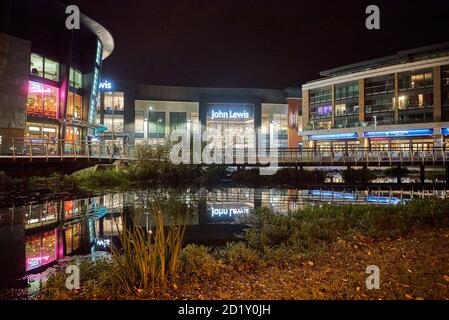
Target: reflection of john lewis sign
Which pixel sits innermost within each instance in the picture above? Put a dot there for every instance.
(228, 212)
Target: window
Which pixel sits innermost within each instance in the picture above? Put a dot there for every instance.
(114, 101)
(114, 123)
(44, 67)
(37, 65)
(379, 85)
(320, 95)
(74, 106)
(415, 79)
(156, 122)
(347, 91)
(51, 70)
(178, 120)
(445, 75)
(139, 124)
(415, 101)
(42, 100)
(76, 79)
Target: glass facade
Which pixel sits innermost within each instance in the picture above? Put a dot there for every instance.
(321, 108)
(445, 92)
(347, 105)
(379, 100)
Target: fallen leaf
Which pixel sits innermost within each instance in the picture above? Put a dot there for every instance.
(446, 278)
(409, 297)
(310, 263)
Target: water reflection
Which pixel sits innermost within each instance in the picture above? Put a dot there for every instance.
(36, 236)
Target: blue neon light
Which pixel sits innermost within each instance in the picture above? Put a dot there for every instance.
(398, 133)
(333, 195)
(334, 136)
(445, 131)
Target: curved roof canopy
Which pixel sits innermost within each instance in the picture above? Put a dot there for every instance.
(102, 33)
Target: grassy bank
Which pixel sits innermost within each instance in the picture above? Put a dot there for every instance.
(312, 253)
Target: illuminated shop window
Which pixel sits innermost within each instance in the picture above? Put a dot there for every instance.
(76, 79)
(74, 106)
(42, 100)
(114, 122)
(114, 101)
(40, 250)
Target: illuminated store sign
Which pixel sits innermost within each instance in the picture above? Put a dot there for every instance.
(333, 195)
(334, 136)
(35, 87)
(398, 133)
(223, 111)
(105, 85)
(445, 131)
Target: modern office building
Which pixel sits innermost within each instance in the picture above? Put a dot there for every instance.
(49, 75)
(399, 101)
(139, 113)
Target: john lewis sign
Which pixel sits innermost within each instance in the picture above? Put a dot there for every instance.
(224, 111)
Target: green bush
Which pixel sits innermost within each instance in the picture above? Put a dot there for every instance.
(109, 178)
(240, 256)
(197, 263)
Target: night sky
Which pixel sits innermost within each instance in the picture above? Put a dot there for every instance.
(256, 43)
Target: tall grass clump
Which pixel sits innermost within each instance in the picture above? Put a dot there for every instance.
(148, 260)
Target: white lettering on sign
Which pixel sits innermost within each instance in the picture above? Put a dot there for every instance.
(228, 212)
(105, 85)
(229, 114)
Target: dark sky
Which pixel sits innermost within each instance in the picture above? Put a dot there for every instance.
(256, 43)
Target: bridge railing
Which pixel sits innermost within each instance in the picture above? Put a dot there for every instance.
(54, 148)
(57, 148)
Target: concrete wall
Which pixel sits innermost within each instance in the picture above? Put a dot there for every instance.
(14, 73)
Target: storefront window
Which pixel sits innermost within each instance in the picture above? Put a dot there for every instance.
(139, 124)
(114, 123)
(114, 101)
(178, 121)
(156, 122)
(42, 100)
(74, 106)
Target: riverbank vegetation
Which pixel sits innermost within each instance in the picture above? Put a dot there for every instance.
(311, 253)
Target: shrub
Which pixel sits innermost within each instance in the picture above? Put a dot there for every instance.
(241, 257)
(109, 178)
(311, 227)
(197, 263)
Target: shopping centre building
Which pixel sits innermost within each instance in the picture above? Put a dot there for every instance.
(142, 113)
(399, 101)
(49, 75)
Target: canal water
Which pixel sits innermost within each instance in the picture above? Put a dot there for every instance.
(35, 237)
